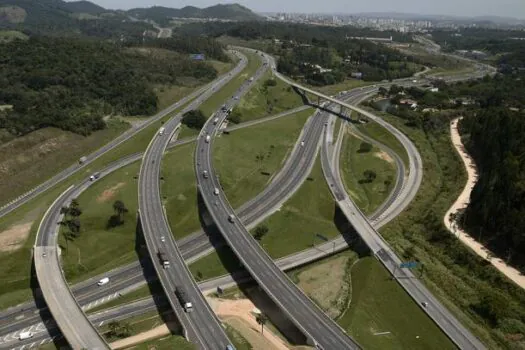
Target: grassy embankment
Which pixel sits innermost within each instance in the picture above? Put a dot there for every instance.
(454, 274)
(15, 276)
(367, 195)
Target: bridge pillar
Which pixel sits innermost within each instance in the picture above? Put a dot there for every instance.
(341, 109)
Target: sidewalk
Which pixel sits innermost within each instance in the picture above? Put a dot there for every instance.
(462, 202)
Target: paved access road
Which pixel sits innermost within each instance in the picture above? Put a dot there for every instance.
(67, 313)
(201, 326)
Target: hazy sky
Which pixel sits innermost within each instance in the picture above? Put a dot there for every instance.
(510, 8)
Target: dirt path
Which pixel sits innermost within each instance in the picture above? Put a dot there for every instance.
(463, 200)
(14, 237)
(239, 313)
(141, 337)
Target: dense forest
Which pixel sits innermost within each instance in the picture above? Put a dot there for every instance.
(375, 62)
(301, 33)
(72, 83)
(496, 213)
(490, 40)
(186, 44)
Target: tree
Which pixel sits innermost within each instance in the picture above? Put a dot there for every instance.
(364, 147)
(120, 209)
(194, 119)
(369, 175)
(388, 182)
(118, 329)
(260, 231)
(262, 319)
(382, 91)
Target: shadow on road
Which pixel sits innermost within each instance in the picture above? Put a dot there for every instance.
(155, 288)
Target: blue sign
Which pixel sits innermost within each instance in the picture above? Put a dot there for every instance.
(320, 236)
(409, 264)
(198, 57)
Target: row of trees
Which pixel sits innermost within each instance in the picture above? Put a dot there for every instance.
(375, 62)
(72, 83)
(301, 33)
(496, 140)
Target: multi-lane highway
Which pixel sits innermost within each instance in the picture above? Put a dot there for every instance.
(312, 321)
(196, 245)
(64, 174)
(72, 321)
(190, 240)
(200, 324)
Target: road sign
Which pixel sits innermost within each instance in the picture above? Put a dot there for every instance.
(408, 264)
(320, 236)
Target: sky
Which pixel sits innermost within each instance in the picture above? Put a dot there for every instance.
(505, 8)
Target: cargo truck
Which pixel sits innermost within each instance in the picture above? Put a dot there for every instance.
(82, 160)
(183, 299)
(163, 258)
(94, 176)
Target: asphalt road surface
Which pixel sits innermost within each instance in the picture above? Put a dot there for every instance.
(67, 313)
(64, 174)
(312, 321)
(201, 326)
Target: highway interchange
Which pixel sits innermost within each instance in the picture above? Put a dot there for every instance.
(255, 208)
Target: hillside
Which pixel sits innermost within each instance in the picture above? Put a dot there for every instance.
(162, 15)
(57, 17)
(84, 7)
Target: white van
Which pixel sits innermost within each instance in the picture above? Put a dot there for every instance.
(25, 335)
(103, 281)
(208, 138)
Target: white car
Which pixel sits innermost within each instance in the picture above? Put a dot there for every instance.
(103, 281)
(163, 239)
(25, 335)
(302, 143)
(216, 191)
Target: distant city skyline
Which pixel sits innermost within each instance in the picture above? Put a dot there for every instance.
(462, 8)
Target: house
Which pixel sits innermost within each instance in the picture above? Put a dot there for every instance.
(357, 75)
(408, 102)
(434, 89)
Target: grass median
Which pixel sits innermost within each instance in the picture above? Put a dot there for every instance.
(269, 96)
(356, 160)
(247, 159)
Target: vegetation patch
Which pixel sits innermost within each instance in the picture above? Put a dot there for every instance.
(368, 173)
(381, 315)
(326, 284)
(246, 159)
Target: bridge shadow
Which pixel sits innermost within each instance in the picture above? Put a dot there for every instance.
(350, 235)
(43, 311)
(157, 292)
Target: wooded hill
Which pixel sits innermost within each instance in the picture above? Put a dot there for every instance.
(72, 83)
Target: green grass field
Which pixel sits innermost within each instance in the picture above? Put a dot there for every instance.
(99, 248)
(10, 35)
(166, 343)
(379, 304)
(377, 132)
(311, 210)
(264, 100)
(242, 156)
(179, 191)
(27, 158)
(368, 196)
(15, 275)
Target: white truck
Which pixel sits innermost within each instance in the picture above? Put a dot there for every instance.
(82, 160)
(161, 131)
(183, 299)
(25, 335)
(103, 281)
(164, 259)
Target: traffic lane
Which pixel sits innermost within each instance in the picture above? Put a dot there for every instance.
(91, 157)
(256, 262)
